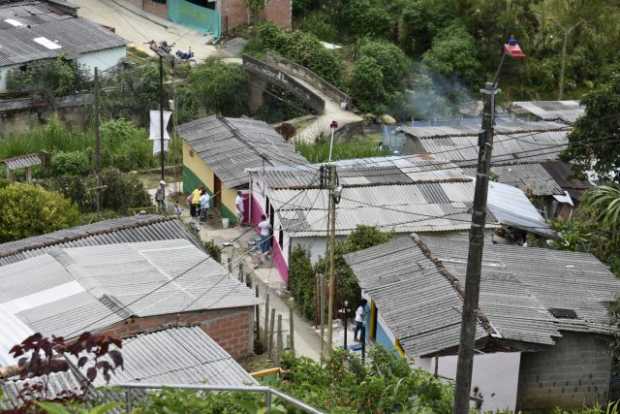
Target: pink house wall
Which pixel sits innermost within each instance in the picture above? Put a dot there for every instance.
(279, 262)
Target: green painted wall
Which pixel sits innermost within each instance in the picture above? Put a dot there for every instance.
(191, 182)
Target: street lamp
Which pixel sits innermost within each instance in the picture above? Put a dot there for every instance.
(333, 126)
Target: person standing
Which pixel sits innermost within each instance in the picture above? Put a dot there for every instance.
(360, 320)
(205, 199)
(195, 202)
(160, 197)
(264, 230)
(239, 207)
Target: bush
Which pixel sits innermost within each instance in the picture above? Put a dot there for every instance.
(48, 79)
(367, 84)
(300, 47)
(126, 147)
(357, 148)
(220, 87)
(28, 210)
(319, 24)
(70, 163)
(214, 250)
(121, 192)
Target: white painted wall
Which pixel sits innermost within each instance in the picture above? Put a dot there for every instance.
(496, 375)
(103, 59)
(3, 74)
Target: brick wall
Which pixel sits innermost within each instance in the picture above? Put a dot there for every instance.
(279, 12)
(235, 13)
(232, 329)
(158, 9)
(574, 373)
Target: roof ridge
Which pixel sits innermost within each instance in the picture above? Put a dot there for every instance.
(49, 243)
(166, 327)
(241, 137)
(453, 280)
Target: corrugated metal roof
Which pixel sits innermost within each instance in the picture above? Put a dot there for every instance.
(59, 384)
(74, 35)
(175, 355)
(519, 285)
(229, 146)
(139, 228)
(531, 178)
(563, 174)
(361, 171)
(564, 111)
(67, 290)
(23, 161)
(179, 355)
(533, 141)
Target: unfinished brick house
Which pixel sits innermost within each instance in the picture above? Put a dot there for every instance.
(123, 277)
(216, 17)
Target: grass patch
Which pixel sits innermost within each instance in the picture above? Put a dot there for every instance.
(344, 149)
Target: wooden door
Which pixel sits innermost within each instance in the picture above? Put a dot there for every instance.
(217, 190)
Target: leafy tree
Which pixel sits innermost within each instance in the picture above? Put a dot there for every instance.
(319, 23)
(420, 22)
(367, 83)
(365, 18)
(255, 7)
(220, 87)
(453, 55)
(606, 200)
(594, 141)
(29, 210)
(393, 62)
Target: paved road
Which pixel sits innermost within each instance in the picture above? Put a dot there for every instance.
(131, 24)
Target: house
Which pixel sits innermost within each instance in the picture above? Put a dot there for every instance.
(216, 17)
(402, 194)
(566, 112)
(39, 30)
(171, 355)
(520, 150)
(543, 334)
(138, 228)
(123, 289)
(217, 151)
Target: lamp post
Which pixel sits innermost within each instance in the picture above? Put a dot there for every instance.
(470, 312)
(333, 126)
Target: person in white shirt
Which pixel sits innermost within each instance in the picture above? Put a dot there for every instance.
(264, 230)
(239, 207)
(360, 320)
(204, 205)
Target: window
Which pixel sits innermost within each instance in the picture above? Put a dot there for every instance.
(281, 238)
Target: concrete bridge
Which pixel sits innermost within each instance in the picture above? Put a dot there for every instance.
(324, 99)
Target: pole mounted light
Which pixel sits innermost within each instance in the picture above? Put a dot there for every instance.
(469, 321)
(333, 127)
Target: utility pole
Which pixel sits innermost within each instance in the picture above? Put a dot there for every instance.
(465, 363)
(97, 143)
(161, 114)
(331, 231)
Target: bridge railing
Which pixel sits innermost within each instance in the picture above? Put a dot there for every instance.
(302, 72)
(277, 76)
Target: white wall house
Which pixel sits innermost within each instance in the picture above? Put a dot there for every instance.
(36, 31)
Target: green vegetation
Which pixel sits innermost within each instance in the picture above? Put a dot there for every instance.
(29, 210)
(356, 147)
(302, 274)
(47, 80)
(72, 152)
(594, 142)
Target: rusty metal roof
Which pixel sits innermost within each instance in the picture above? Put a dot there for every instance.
(23, 161)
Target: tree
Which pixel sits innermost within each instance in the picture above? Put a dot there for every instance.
(255, 7)
(420, 21)
(220, 87)
(454, 55)
(367, 83)
(606, 200)
(393, 62)
(594, 143)
(29, 210)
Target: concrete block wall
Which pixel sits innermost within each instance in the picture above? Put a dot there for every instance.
(235, 13)
(158, 9)
(574, 373)
(232, 328)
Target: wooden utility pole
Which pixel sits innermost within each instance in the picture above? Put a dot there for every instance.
(474, 260)
(97, 143)
(321, 293)
(331, 231)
